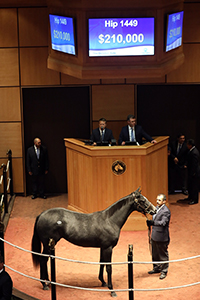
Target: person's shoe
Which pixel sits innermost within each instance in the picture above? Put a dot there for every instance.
(43, 196)
(153, 272)
(185, 192)
(163, 275)
(192, 202)
(34, 197)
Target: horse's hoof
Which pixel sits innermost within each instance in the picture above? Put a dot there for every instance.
(113, 294)
(45, 287)
(104, 284)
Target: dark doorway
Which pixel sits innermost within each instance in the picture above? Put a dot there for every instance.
(169, 110)
(52, 114)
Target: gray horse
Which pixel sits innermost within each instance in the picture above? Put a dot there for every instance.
(100, 229)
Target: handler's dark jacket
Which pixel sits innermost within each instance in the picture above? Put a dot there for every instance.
(160, 229)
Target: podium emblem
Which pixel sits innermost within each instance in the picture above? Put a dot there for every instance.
(118, 167)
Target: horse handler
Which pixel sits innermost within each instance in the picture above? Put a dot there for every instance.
(160, 236)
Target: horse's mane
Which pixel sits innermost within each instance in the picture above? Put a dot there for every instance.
(117, 205)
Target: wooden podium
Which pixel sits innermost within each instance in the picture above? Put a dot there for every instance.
(98, 176)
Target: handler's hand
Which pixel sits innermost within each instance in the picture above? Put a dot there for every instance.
(150, 222)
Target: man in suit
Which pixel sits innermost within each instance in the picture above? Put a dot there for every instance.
(133, 133)
(37, 166)
(160, 237)
(193, 172)
(5, 282)
(177, 164)
(102, 134)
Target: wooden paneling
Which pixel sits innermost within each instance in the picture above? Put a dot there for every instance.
(189, 1)
(113, 81)
(113, 102)
(189, 71)
(33, 62)
(9, 68)
(10, 137)
(20, 3)
(191, 29)
(147, 80)
(33, 27)
(10, 104)
(18, 182)
(66, 79)
(8, 28)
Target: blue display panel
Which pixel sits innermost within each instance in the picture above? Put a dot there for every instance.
(174, 31)
(121, 37)
(62, 34)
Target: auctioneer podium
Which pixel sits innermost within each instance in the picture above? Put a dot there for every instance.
(98, 176)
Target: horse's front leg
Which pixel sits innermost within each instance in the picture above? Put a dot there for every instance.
(101, 269)
(107, 255)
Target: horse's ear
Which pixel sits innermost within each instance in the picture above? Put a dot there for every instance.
(138, 190)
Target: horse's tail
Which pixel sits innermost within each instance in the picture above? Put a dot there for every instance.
(36, 246)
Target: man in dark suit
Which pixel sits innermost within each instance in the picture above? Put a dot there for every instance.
(177, 164)
(37, 166)
(5, 282)
(133, 133)
(160, 237)
(193, 172)
(102, 134)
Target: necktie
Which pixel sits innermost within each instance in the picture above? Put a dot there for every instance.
(38, 153)
(102, 136)
(179, 148)
(132, 135)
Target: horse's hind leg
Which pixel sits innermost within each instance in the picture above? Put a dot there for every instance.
(107, 255)
(101, 269)
(43, 271)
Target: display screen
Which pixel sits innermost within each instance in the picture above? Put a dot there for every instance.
(174, 31)
(62, 34)
(121, 37)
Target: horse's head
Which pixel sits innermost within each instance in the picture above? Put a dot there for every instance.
(143, 205)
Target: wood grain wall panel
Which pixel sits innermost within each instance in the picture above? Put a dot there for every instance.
(114, 102)
(18, 182)
(9, 67)
(189, 71)
(10, 104)
(11, 138)
(191, 29)
(147, 80)
(33, 27)
(113, 81)
(33, 63)
(189, 1)
(66, 79)
(8, 28)
(20, 3)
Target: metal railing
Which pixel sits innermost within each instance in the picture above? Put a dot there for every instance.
(6, 185)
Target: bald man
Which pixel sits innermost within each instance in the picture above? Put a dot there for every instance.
(37, 166)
